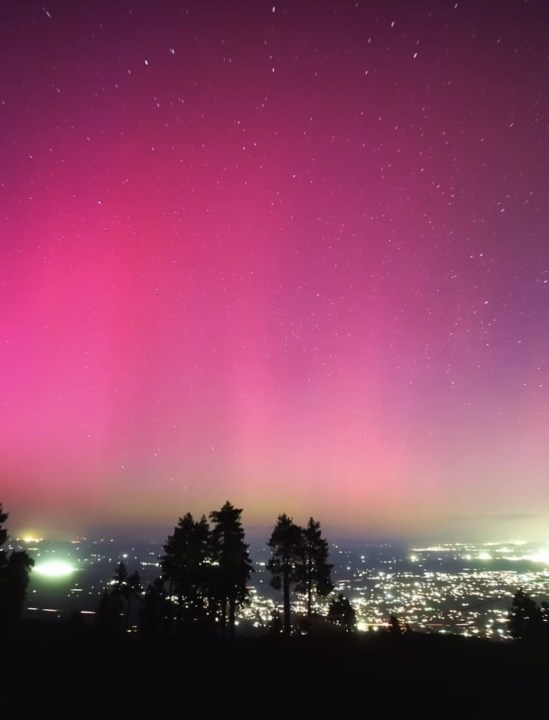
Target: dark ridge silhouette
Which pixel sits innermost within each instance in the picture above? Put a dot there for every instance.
(69, 665)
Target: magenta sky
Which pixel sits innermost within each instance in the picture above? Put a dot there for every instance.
(290, 254)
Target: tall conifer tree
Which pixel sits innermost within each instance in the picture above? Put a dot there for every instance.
(315, 570)
(232, 565)
(185, 566)
(286, 543)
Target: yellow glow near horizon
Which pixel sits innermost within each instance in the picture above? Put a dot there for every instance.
(54, 568)
(29, 539)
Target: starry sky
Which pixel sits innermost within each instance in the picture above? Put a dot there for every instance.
(293, 255)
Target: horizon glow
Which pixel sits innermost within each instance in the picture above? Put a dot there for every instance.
(288, 256)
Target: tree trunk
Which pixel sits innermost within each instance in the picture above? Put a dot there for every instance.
(286, 591)
(128, 607)
(232, 614)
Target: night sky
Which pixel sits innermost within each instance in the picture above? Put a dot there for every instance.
(293, 255)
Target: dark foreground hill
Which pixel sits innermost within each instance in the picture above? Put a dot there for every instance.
(51, 672)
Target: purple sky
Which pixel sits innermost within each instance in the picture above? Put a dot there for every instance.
(294, 255)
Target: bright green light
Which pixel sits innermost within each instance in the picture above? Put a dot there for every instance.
(55, 568)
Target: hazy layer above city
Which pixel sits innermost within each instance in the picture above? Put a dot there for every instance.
(479, 530)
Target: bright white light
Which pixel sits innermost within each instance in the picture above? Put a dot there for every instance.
(540, 557)
(54, 568)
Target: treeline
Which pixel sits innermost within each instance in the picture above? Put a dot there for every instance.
(205, 574)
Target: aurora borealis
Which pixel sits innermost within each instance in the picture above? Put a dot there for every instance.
(290, 254)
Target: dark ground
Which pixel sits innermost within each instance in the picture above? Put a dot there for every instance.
(54, 671)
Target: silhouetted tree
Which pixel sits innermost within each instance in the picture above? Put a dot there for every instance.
(119, 580)
(525, 618)
(155, 609)
(134, 589)
(127, 586)
(276, 626)
(186, 566)
(15, 568)
(232, 566)
(113, 611)
(394, 627)
(3, 532)
(315, 570)
(109, 613)
(342, 613)
(119, 589)
(286, 543)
